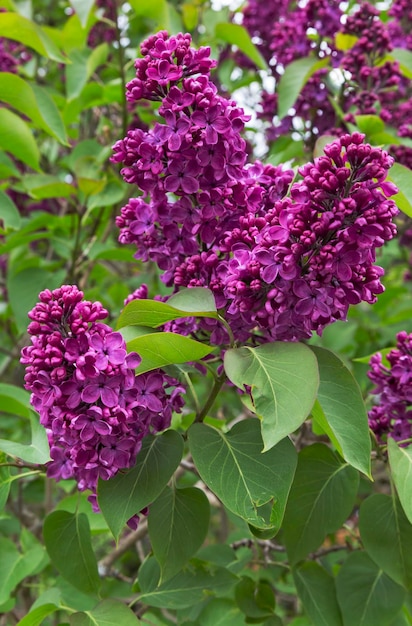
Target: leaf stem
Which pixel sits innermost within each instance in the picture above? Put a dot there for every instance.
(214, 392)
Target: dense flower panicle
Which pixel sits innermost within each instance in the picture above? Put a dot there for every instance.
(282, 266)
(392, 414)
(95, 409)
(365, 81)
(197, 154)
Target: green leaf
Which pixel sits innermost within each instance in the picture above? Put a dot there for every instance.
(400, 460)
(16, 27)
(9, 213)
(369, 124)
(221, 612)
(193, 300)
(284, 381)
(255, 598)
(162, 12)
(321, 499)
(36, 616)
(41, 186)
(401, 177)
(189, 588)
(83, 9)
(316, 590)
(17, 138)
(237, 35)
(34, 102)
(129, 492)
(153, 313)
(178, 525)
(68, 542)
(15, 400)
(387, 536)
(17, 565)
(107, 613)
(5, 482)
(341, 400)
(37, 452)
(294, 79)
(161, 349)
(52, 120)
(243, 478)
(404, 58)
(367, 597)
(344, 41)
(83, 64)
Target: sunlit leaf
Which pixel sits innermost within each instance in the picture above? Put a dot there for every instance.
(284, 381)
(238, 36)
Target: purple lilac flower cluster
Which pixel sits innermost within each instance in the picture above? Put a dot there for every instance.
(392, 415)
(196, 153)
(95, 409)
(371, 83)
(281, 266)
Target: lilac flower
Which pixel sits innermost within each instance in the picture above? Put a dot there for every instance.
(94, 407)
(392, 414)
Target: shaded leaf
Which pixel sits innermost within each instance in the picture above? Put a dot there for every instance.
(15, 566)
(130, 491)
(321, 499)
(106, 613)
(284, 381)
(387, 536)
(255, 598)
(341, 400)
(400, 460)
(178, 525)
(68, 542)
(367, 596)
(189, 588)
(316, 590)
(243, 478)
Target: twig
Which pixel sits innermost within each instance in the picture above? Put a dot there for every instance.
(106, 563)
